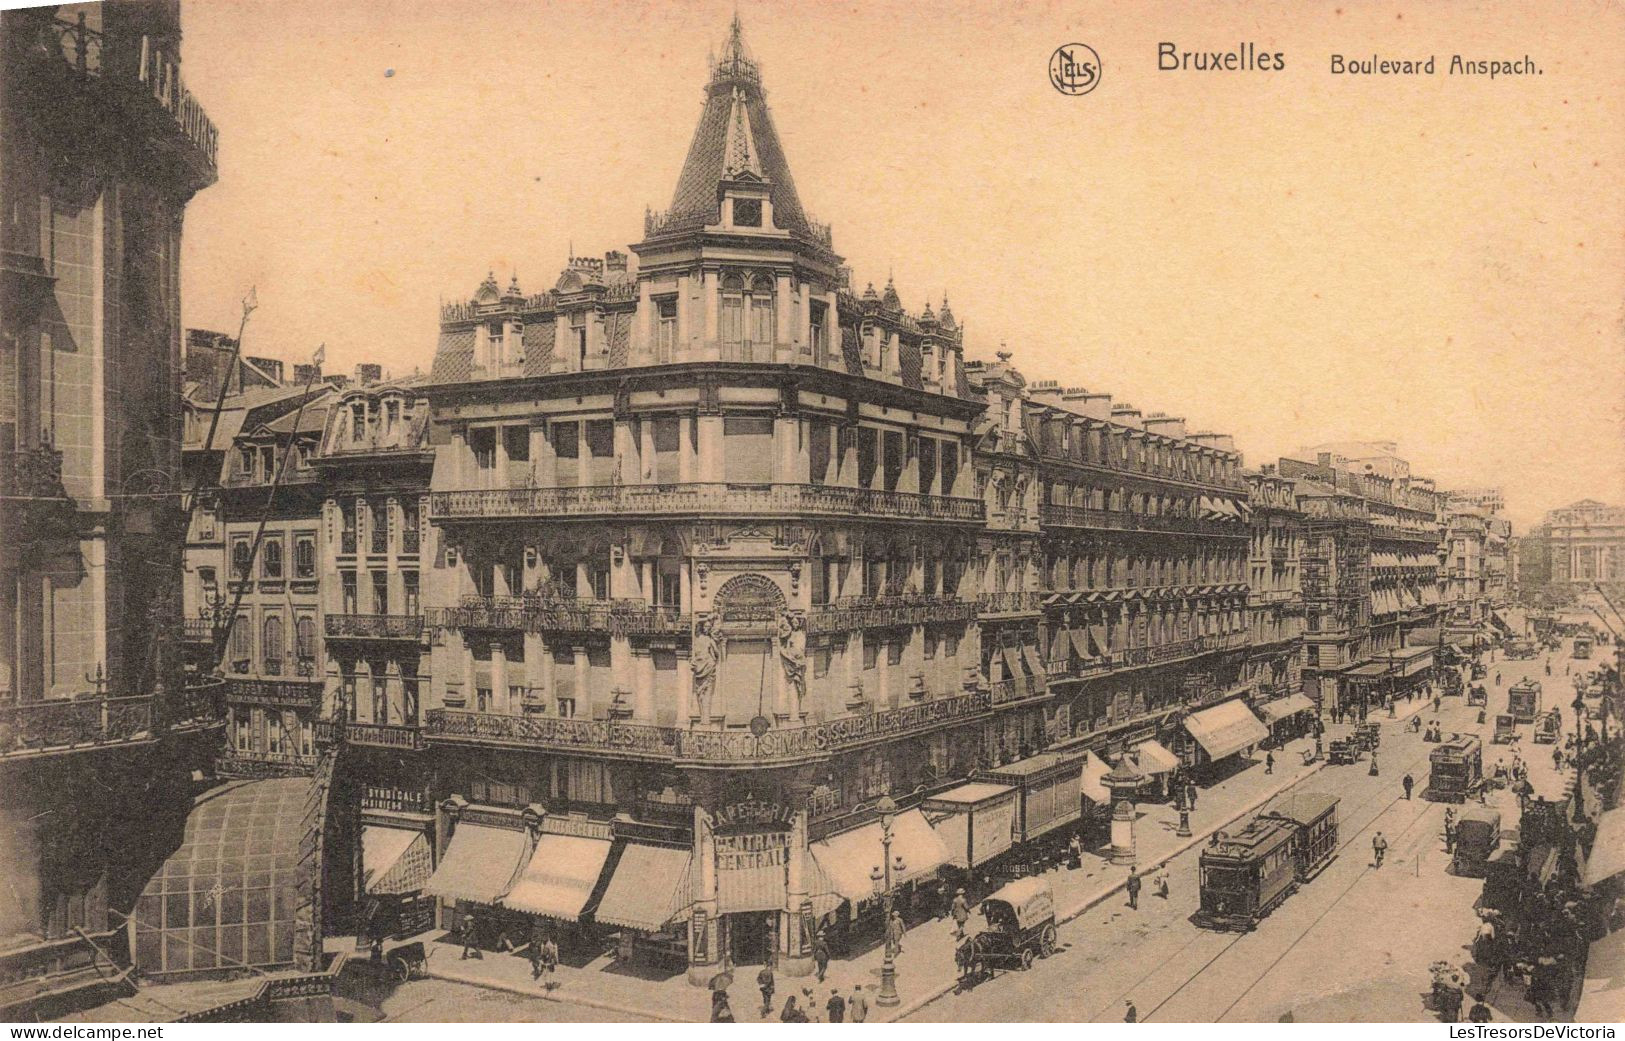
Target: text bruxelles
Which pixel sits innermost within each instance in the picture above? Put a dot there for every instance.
(1245, 58)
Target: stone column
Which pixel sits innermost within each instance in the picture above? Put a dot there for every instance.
(795, 953)
(643, 672)
(784, 337)
(499, 678)
(708, 301)
(686, 324)
(710, 445)
(704, 946)
(584, 691)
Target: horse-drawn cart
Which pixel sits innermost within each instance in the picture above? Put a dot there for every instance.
(1020, 927)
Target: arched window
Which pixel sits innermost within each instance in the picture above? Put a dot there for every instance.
(240, 556)
(271, 559)
(271, 645)
(746, 317)
(305, 635)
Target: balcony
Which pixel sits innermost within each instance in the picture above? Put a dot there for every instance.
(1389, 531)
(1015, 602)
(780, 746)
(1017, 691)
(712, 500)
(373, 626)
(406, 737)
(306, 694)
(197, 630)
(1280, 554)
(861, 612)
(44, 727)
(1055, 516)
(1140, 657)
(532, 613)
(251, 479)
(144, 86)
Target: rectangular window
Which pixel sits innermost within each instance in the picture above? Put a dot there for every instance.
(821, 658)
(818, 333)
(894, 651)
(483, 443)
(380, 592)
(409, 526)
(598, 579)
(871, 651)
(930, 649)
(948, 463)
(747, 450)
(950, 644)
(578, 336)
(358, 421)
(868, 453)
(665, 328)
(566, 438)
(928, 465)
(304, 557)
(818, 451)
(409, 592)
(893, 464)
(667, 441)
(601, 451)
(820, 580)
(347, 589)
(271, 559)
(516, 442)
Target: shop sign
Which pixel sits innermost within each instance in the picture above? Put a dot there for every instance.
(753, 813)
(751, 850)
(993, 829)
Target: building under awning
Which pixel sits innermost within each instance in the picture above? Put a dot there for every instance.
(847, 858)
(1225, 729)
(560, 877)
(479, 864)
(1095, 768)
(976, 821)
(1049, 785)
(1153, 759)
(1282, 708)
(650, 886)
(394, 861)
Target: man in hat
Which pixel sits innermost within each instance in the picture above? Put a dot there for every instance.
(1131, 1014)
(820, 959)
(764, 983)
(1379, 849)
(470, 936)
(1408, 783)
(857, 1006)
(836, 1007)
(894, 932)
(961, 913)
(1133, 889)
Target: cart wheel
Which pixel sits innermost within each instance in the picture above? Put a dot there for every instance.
(1046, 942)
(1026, 958)
(402, 969)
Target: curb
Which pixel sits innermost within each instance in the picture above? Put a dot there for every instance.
(543, 995)
(1100, 896)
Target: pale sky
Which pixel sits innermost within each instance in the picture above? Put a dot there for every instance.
(1290, 257)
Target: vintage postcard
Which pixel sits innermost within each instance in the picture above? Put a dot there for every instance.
(646, 513)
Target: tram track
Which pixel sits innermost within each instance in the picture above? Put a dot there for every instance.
(1231, 945)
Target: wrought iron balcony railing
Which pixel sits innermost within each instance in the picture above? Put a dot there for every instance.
(1055, 516)
(704, 499)
(858, 612)
(534, 613)
(47, 726)
(696, 747)
(1012, 602)
(1017, 690)
(373, 626)
(1139, 657)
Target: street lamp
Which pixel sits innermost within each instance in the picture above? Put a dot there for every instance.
(881, 877)
(1579, 750)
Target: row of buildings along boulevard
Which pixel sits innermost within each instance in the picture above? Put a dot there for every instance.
(661, 596)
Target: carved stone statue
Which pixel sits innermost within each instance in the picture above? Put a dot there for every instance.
(793, 653)
(703, 661)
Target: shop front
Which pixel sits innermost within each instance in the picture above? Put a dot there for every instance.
(1049, 786)
(1288, 717)
(1157, 763)
(852, 862)
(976, 822)
(1224, 730)
(396, 862)
(561, 879)
(648, 898)
(484, 851)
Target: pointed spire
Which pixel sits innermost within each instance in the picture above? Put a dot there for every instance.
(946, 316)
(891, 301)
(741, 146)
(870, 294)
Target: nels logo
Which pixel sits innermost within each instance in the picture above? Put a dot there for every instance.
(1074, 69)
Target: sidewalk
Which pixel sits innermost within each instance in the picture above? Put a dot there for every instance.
(925, 968)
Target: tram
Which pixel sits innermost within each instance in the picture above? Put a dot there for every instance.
(1523, 701)
(1455, 768)
(1245, 875)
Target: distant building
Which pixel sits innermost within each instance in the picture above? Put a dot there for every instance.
(1587, 544)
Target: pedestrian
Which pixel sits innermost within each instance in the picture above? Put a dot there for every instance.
(1269, 762)
(720, 1012)
(836, 1006)
(820, 956)
(764, 983)
(809, 1007)
(894, 933)
(1131, 1014)
(1540, 992)
(1190, 796)
(1074, 847)
(791, 1013)
(1436, 702)
(470, 937)
(857, 1006)
(1160, 884)
(538, 940)
(1379, 848)
(550, 956)
(1133, 889)
(1373, 770)
(1480, 1012)
(1408, 783)
(961, 913)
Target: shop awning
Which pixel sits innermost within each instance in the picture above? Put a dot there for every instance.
(1081, 643)
(1603, 993)
(479, 864)
(1608, 851)
(1034, 664)
(1094, 768)
(1097, 633)
(1281, 708)
(561, 875)
(1154, 759)
(1368, 669)
(1059, 644)
(1011, 655)
(394, 860)
(651, 885)
(848, 857)
(1225, 729)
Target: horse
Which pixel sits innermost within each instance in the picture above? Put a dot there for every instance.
(968, 960)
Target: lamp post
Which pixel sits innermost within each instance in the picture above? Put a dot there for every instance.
(1579, 707)
(881, 877)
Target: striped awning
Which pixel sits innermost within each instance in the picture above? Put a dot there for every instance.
(479, 864)
(395, 861)
(847, 858)
(562, 873)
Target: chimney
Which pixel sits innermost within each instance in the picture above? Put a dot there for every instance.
(303, 372)
(1126, 414)
(614, 260)
(1044, 390)
(1167, 426)
(1221, 442)
(272, 367)
(1094, 406)
(367, 374)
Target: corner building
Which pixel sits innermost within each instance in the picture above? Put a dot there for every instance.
(701, 585)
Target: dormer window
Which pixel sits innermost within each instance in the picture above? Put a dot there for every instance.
(358, 421)
(665, 328)
(747, 213)
(578, 336)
